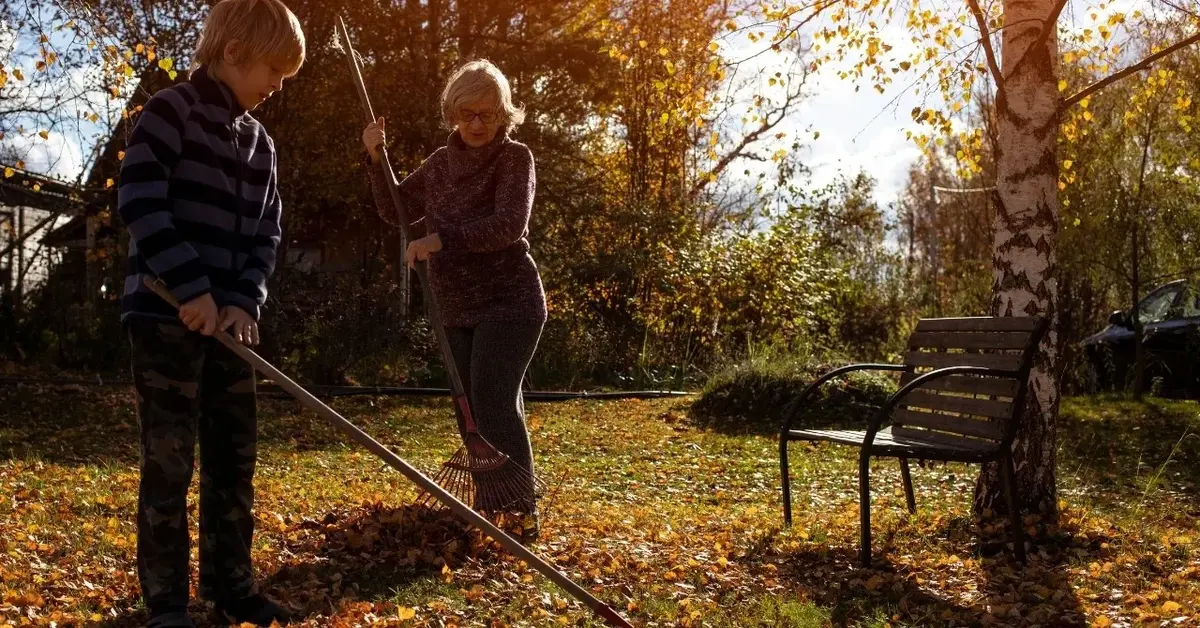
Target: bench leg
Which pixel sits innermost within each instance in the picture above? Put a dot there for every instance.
(909, 498)
(864, 508)
(787, 483)
(1014, 517)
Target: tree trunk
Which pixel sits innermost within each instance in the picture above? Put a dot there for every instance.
(1135, 219)
(1139, 328)
(1025, 279)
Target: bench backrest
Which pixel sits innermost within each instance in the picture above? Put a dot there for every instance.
(971, 411)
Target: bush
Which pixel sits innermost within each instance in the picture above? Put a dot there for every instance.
(756, 393)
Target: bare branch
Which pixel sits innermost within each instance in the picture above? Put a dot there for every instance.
(1133, 69)
(818, 9)
(986, 41)
(1181, 9)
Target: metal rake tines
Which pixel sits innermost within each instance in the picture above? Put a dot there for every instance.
(490, 486)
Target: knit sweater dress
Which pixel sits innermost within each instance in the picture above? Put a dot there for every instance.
(478, 200)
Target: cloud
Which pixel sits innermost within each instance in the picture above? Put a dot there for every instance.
(58, 156)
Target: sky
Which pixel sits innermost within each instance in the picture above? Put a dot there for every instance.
(859, 129)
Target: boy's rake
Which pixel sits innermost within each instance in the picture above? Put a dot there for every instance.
(478, 473)
(512, 545)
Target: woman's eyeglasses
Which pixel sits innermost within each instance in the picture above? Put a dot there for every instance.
(486, 117)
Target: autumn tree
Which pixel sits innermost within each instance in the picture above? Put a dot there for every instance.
(1030, 108)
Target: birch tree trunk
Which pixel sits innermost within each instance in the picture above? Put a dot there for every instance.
(1026, 233)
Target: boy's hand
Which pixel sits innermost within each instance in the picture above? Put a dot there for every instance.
(419, 250)
(245, 329)
(200, 314)
(373, 137)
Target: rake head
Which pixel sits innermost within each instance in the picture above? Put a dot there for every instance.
(484, 477)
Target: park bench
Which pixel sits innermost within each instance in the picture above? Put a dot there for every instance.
(962, 393)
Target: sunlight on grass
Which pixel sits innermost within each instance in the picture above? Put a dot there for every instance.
(670, 523)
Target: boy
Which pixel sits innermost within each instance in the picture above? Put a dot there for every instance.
(199, 197)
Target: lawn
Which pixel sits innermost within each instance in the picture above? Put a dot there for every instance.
(673, 521)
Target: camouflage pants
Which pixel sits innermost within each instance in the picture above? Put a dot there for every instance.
(190, 386)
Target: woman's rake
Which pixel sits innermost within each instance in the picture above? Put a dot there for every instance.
(479, 473)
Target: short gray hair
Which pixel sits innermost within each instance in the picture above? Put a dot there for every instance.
(476, 80)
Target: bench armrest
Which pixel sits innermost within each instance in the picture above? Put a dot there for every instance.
(798, 405)
(886, 411)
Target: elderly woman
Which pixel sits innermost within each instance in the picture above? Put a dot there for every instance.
(475, 195)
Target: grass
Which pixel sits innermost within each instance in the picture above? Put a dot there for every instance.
(672, 519)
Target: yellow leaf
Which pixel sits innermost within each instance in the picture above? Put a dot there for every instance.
(1067, 164)
(663, 51)
(45, 134)
(108, 184)
(141, 49)
(9, 173)
(166, 63)
(17, 73)
(643, 43)
(1101, 622)
(172, 74)
(120, 155)
(406, 613)
(1170, 607)
(37, 187)
(1062, 85)
(664, 118)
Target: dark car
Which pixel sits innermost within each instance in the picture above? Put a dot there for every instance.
(1171, 318)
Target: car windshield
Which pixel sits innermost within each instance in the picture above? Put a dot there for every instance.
(1157, 307)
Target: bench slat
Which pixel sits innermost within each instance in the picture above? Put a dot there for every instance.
(899, 438)
(900, 434)
(995, 340)
(978, 323)
(994, 386)
(982, 428)
(965, 405)
(1001, 361)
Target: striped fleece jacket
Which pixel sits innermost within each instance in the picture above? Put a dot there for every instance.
(198, 195)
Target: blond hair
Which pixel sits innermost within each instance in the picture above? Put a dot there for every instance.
(267, 30)
(475, 81)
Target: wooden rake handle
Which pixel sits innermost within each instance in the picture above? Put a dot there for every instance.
(409, 471)
(461, 406)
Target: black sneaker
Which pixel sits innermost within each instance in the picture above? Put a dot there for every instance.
(170, 618)
(256, 609)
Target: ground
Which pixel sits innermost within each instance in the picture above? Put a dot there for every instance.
(673, 521)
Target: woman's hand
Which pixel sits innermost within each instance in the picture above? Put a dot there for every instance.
(419, 250)
(373, 138)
